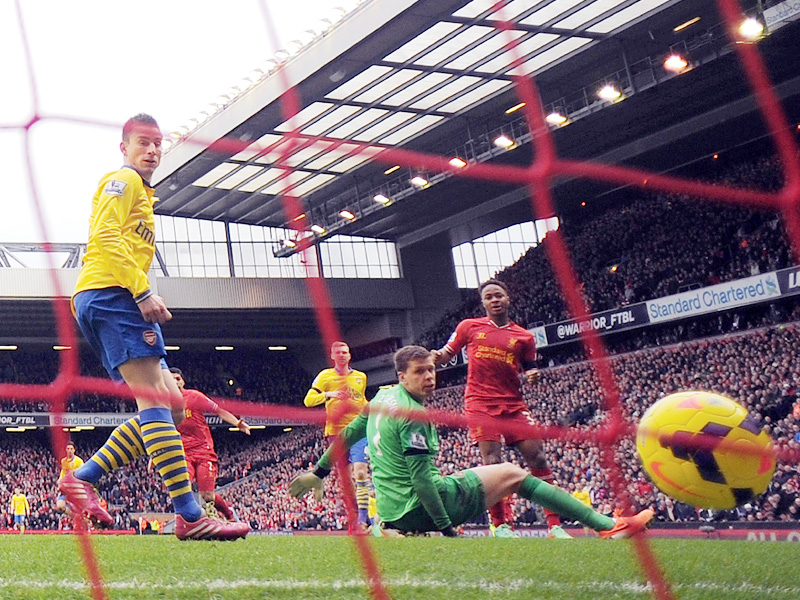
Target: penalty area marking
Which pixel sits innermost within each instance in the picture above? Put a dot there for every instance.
(511, 585)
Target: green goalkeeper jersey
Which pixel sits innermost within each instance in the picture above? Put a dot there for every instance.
(392, 440)
(401, 457)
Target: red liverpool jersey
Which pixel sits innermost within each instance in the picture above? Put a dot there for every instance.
(495, 356)
(194, 430)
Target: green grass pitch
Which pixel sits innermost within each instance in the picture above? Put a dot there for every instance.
(327, 567)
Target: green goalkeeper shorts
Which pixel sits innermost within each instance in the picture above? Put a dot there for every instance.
(463, 499)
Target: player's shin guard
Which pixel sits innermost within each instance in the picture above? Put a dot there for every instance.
(222, 507)
(557, 500)
(163, 443)
(123, 445)
(362, 500)
(546, 475)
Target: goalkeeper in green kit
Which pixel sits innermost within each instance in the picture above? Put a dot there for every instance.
(411, 493)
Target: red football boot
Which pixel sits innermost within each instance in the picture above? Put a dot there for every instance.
(207, 528)
(82, 495)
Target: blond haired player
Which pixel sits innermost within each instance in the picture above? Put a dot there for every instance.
(342, 390)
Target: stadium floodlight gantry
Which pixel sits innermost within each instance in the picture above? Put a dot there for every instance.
(437, 76)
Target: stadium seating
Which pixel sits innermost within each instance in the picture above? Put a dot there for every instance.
(658, 245)
(277, 378)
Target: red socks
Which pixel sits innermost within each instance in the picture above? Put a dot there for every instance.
(500, 512)
(222, 507)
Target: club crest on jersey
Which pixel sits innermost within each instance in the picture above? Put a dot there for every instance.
(115, 187)
(512, 342)
(150, 337)
(418, 441)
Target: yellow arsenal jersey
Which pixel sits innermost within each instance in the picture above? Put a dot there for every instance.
(122, 238)
(68, 465)
(354, 383)
(19, 504)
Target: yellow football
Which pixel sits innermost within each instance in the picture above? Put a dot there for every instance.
(704, 449)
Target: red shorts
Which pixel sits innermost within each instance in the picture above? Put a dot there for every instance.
(489, 422)
(203, 470)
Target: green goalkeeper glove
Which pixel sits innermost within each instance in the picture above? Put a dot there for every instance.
(302, 484)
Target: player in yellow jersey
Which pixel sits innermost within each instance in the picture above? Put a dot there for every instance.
(584, 495)
(120, 316)
(342, 390)
(69, 463)
(20, 509)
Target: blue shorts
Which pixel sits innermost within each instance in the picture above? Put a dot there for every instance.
(114, 327)
(19, 519)
(358, 452)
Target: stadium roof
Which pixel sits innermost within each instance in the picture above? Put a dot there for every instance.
(432, 75)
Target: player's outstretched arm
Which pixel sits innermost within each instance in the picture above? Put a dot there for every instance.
(232, 419)
(312, 480)
(355, 431)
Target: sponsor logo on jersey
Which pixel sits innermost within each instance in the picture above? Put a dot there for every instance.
(418, 441)
(115, 187)
(481, 335)
(150, 337)
(147, 234)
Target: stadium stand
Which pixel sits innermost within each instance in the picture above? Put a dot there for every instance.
(649, 247)
(247, 375)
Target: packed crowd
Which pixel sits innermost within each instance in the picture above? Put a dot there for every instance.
(30, 464)
(257, 376)
(756, 367)
(650, 247)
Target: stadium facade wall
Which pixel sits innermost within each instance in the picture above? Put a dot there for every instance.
(429, 271)
(221, 293)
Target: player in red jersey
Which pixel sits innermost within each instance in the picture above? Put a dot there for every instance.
(198, 444)
(497, 350)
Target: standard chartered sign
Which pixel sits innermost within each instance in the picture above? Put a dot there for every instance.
(782, 13)
(716, 297)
